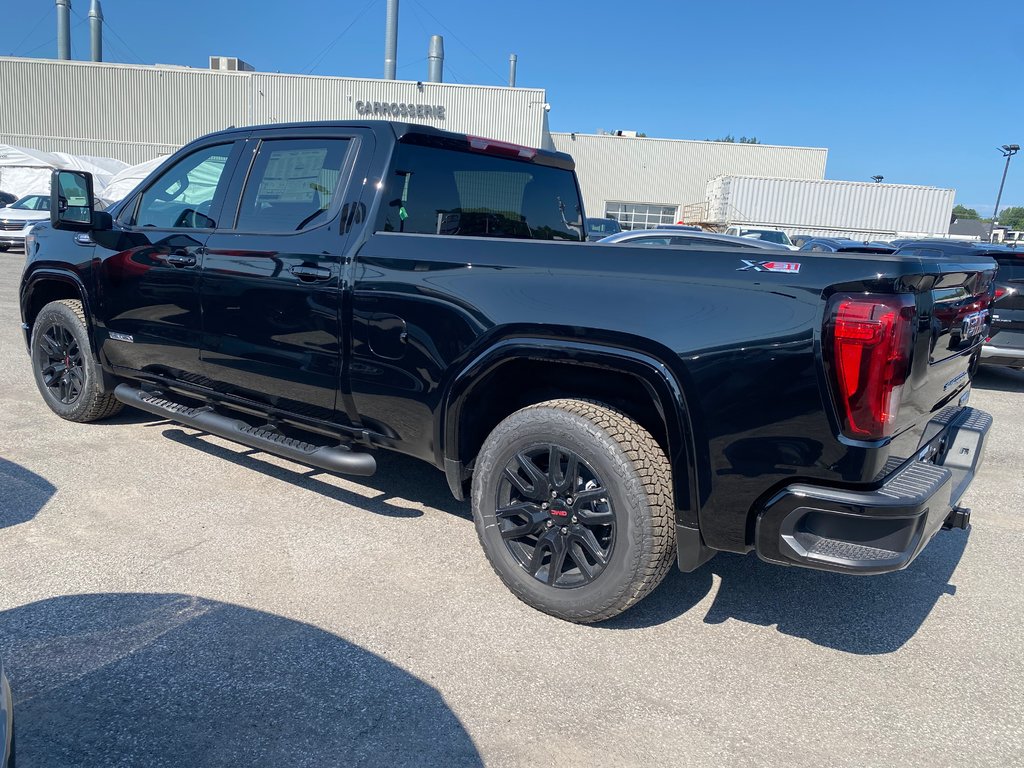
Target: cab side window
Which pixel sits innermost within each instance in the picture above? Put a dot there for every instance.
(292, 184)
(182, 198)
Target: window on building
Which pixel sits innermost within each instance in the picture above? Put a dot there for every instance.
(641, 215)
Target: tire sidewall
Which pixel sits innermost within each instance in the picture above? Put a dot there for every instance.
(50, 315)
(535, 426)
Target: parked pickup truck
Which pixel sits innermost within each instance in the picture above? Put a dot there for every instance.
(322, 291)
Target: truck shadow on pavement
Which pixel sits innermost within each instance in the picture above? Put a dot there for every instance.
(397, 477)
(22, 494)
(860, 615)
(170, 680)
(998, 379)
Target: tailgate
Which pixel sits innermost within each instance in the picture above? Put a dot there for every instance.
(898, 349)
(953, 318)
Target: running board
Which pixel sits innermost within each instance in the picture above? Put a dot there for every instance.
(338, 458)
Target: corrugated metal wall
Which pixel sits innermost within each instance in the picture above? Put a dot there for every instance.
(805, 205)
(134, 113)
(671, 172)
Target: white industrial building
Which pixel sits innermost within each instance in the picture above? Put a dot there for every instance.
(642, 181)
(136, 113)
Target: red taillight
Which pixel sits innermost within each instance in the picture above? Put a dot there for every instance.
(1001, 291)
(869, 338)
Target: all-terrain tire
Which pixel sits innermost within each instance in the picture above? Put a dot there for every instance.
(65, 320)
(623, 459)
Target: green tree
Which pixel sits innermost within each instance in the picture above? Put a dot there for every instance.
(965, 213)
(1012, 217)
(730, 139)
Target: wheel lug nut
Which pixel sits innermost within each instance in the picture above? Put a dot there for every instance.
(549, 524)
(564, 530)
(575, 519)
(545, 505)
(554, 494)
(569, 501)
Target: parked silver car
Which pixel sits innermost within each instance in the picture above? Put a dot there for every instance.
(18, 218)
(683, 237)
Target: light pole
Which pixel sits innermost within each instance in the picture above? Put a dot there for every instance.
(1008, 151)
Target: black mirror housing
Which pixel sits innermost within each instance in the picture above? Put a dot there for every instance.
(72, 203)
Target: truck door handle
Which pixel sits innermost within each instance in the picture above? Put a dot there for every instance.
(311, 274)
(181, 259)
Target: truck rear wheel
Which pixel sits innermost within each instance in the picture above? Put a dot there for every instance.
(573, 506)
(66, 373)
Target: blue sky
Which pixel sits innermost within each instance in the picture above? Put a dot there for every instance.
(919, 92)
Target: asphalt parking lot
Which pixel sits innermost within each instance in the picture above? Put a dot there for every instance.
(169, 599)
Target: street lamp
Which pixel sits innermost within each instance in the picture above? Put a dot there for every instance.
(1007, 151)
(877, 179)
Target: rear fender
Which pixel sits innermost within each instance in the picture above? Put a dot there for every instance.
(658, 382)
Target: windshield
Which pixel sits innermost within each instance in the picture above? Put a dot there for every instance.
(603, 226)
(769, 235)
(32, 203)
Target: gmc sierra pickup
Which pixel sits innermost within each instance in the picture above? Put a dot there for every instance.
(321, 291)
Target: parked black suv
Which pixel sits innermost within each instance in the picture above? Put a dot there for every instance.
(1004, 341)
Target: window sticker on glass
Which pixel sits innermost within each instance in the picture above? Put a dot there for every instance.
(293, 176)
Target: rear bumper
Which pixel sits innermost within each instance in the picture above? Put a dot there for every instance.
(870, 532)
(997, 355)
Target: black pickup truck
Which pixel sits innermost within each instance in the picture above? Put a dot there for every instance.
(321, 291)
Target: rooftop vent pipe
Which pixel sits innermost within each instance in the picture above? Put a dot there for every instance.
(391, 40)
(435, 59)
(63, 29)
(512, 59)
(96, 30)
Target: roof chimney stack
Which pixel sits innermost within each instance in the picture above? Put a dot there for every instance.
(435, 59)
(391, 40)
(63, 29)
(96, 30)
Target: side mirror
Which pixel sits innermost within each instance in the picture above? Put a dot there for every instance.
(72, 203)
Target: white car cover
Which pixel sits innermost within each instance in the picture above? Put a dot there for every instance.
(25, 171)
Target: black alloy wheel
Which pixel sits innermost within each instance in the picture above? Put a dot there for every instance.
(555, 516)
(60, 363)
(67, 373)
(573, 505)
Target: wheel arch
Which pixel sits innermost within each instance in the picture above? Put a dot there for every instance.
(517, 372)
(45, 285)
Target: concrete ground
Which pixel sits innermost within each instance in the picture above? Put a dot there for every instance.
(172, 599)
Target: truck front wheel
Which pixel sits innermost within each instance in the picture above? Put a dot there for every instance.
(573, 506)
(68, 376)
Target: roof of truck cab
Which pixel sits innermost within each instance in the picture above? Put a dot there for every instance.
(395, 129)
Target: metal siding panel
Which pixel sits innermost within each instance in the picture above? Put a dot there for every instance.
(135, 113)
(124, 105)
(674, 172)
(506, 114)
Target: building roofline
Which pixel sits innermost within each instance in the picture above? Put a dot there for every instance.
(207, 71)
(682, 141)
